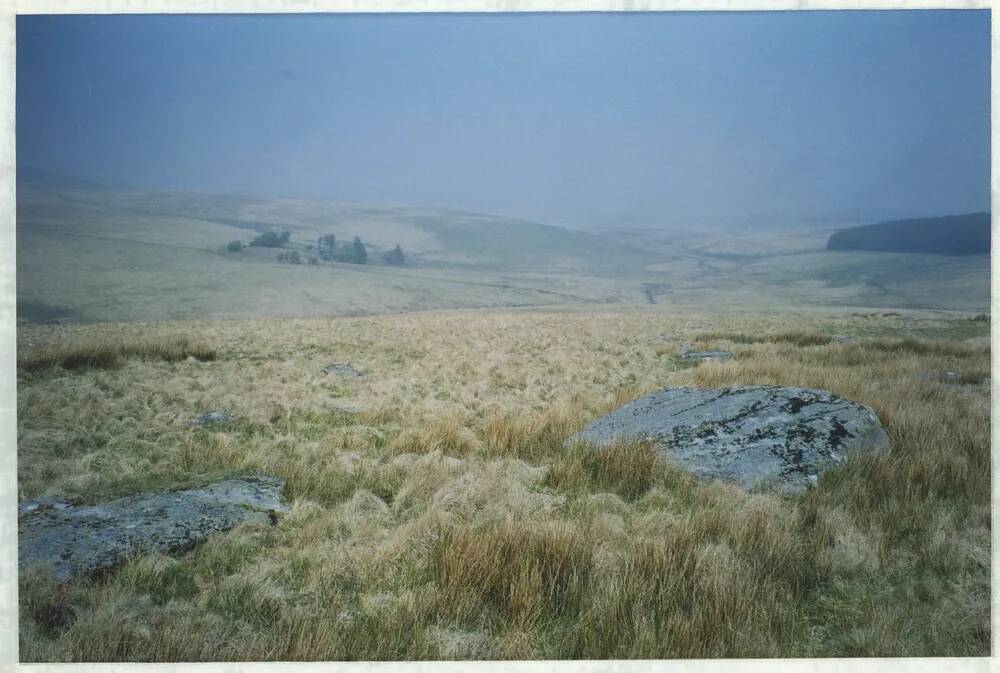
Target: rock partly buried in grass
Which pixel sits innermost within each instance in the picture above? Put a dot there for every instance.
(705, 356)
(209, 418)
(341, 369)
(45, 502)
(347, 408)
(78, 539)
(752, 435)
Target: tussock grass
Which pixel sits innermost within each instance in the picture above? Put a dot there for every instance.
(628, 469)
(920, 347)
(108, 353)
(48, 607)
(162, 578)
(450, 521)
(525, 571)
(446, 434)
(801, 338)
(531, 436)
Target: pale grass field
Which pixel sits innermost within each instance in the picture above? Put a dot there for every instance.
(447, 520)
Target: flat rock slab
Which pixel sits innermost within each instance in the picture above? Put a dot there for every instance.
(750, 435)
(341, 369)
(347, 408)
(77, 539)
(209, 418)
(705, 356)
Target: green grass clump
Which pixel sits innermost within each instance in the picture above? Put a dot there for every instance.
(161, 577)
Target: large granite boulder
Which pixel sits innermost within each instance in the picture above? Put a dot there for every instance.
(751, 435)
(76, 539)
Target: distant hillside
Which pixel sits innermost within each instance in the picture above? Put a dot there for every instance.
(429, 237)
(953, 235)
(112, 254)
(109, 254)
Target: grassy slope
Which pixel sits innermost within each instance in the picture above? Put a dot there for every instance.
(98, 255)
(155, 282)
(447, 521)
(485, 241)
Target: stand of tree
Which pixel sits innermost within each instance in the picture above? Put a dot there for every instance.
(271, 239)
(394, 257)
(330, 251)
(326, 247)
(951, 235)
(358, 253)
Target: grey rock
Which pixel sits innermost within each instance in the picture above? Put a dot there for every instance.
(209, 418)
(77, 539)
(750, 435)
(341, 369)
(687, 352)
(44, 502)
(705, 356)
(347, 408)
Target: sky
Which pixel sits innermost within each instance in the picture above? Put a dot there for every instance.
(661, 119)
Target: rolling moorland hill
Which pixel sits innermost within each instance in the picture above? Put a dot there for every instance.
(952, 235)
(431, 237)
(89, 253)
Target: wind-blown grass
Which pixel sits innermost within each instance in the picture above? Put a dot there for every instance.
(449, 521)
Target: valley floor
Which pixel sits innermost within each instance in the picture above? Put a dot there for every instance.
(435, 513)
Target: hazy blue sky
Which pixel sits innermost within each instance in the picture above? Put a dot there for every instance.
(670, 117)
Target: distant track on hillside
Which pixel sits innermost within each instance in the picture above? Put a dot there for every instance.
(367, 269)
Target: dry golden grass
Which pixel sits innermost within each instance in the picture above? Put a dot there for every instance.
(448, 521)
(523, 571)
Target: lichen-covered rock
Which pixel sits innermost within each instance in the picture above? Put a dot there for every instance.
(209, 418)
(76, 539)
(751, 435)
